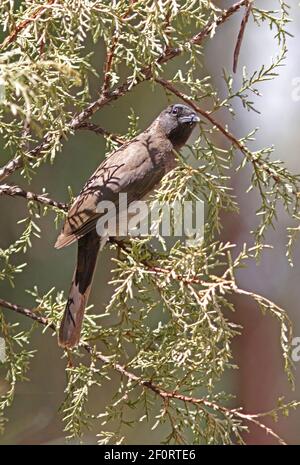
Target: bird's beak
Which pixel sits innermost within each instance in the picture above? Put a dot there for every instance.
(193, 118)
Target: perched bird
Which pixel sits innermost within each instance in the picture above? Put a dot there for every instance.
(136, 169)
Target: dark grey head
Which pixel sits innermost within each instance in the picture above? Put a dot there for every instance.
(178, 122)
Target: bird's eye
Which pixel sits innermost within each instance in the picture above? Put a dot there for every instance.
(175, 111)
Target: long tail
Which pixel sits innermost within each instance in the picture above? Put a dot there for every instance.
(70, 328)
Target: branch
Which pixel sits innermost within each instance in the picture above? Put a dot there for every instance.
(30, 196)
(237, 143)
(210, 28)
(18, 161)
(162, 393)
(23, 25)
(98, 130)
(26, 312)
(109, 96)
(157, 269)
(111, 52)
(241, 35)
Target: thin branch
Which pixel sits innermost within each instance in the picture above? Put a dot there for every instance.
(108, 97)
(241, 35)
(162, 393)
(13, 191)
(220, 20)
(157, 269)
(206, 31)
(18, 161)
(236, 142)
(98, 130)
(110, 53)
(26, 312)
(24, 24)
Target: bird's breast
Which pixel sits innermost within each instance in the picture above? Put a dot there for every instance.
(170, 161)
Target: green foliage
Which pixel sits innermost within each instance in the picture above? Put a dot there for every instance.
(186, 352)
(17, 361)
(21, 245)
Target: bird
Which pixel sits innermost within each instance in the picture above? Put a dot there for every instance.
(136, 169)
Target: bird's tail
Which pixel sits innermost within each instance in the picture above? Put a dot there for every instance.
(70, 328)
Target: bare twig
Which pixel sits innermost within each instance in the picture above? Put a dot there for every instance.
(237, 49)
(30, 196)
(162, 393)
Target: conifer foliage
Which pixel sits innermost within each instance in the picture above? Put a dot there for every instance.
(172, 342)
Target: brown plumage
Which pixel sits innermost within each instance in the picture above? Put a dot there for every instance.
(136, 169)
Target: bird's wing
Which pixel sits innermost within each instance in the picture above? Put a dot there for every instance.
(135, 169)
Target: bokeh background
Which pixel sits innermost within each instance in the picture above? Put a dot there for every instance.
(34, 417)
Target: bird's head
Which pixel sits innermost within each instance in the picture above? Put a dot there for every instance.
(178, 122)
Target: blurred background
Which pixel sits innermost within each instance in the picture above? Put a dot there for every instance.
(34, 417)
